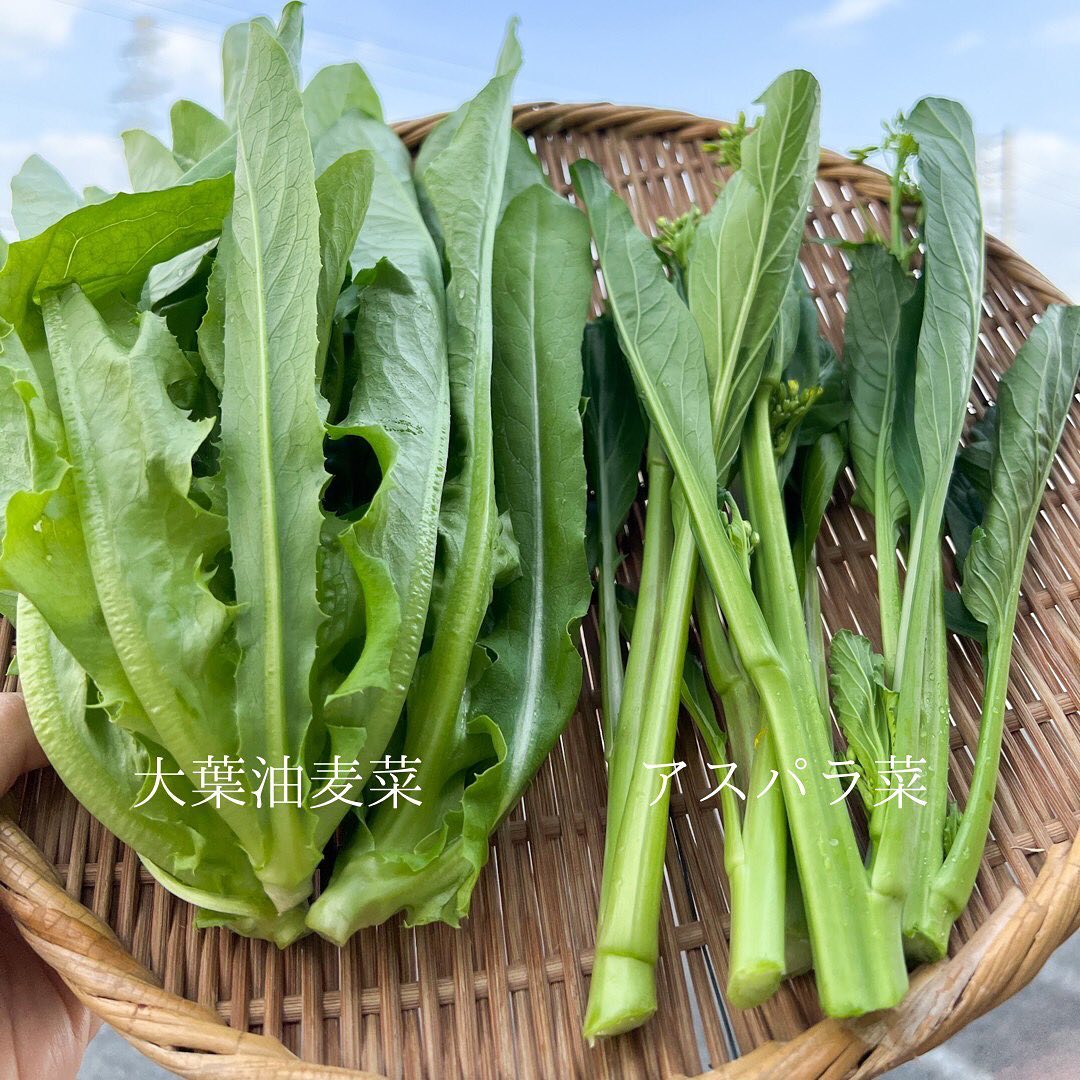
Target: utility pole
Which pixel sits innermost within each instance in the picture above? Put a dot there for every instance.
(1008, 181)
(143, 85)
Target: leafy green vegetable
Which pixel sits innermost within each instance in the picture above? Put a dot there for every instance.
(274, 472)
(742, 259)
(666, 355)
(400, 332)
(300, 439)
(463, 184)
(1035, 396)
(614, 443)
(40, 197)
(865, 709)
(952, 292)
(343, 192)
(425, 858)
(883, 302)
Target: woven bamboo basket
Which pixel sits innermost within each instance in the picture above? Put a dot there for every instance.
(504, 996)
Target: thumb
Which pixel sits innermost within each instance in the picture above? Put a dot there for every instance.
(19, 750)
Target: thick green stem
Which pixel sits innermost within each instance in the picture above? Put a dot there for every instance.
(863, 968)
(742, 713)
(758, 889)
(776, 580)
(622, 994)
(888, 577)
(655, 569)
(933, 760)
(954, 881)
(894, 865)
(611, 658)
(757, 865)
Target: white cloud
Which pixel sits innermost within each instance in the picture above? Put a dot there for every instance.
(1061, 31)
(193, 62)
(842, 14)
(966, 42)
(84, 158)
(42, 23)
(1045, 204)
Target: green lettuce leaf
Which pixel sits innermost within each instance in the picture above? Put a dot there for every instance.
(335, 91)
(150, 163)
(401, 409)
(196, 133)
(271, 433)
(527, 673)
(108, 247)
(40, 197)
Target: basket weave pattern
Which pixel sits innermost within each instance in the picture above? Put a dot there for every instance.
(504, 996)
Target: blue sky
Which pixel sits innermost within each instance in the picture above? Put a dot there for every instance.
(64, 64)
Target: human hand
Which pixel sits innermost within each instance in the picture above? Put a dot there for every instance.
(44, 1028)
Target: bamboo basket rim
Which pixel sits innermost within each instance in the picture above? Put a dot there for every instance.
(1000, 958)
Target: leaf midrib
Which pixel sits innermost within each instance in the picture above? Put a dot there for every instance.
(273, 687)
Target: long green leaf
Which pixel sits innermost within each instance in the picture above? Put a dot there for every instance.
(878, 290)
(544, 269)
(676, 392)
(1033, 402)
(343, 192)
(882, 305)
(952, 236)
(742, 258)
(271, 436)
(131, 454)
(614, 444)
(952, 231)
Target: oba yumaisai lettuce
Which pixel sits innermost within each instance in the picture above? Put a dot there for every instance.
(228, 403)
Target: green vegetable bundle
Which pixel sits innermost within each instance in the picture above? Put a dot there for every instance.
(298, 479)
(750, 420)
(295, 490)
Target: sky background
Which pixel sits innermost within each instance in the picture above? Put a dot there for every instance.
(68, 75)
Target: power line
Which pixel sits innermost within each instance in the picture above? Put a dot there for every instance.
(1007, 184)
(1042, 194)
(181, 24)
